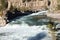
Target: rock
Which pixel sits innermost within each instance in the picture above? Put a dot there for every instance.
(2, 22)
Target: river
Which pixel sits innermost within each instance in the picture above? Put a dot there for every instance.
(30, 27)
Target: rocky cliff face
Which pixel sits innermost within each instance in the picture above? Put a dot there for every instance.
(34, 5)
(24, 5)
(54, 6)
(29, 4)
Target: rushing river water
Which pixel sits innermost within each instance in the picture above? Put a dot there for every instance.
(30, 27)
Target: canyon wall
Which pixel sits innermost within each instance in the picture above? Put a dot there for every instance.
(54, 6)
(29, 4)
(34, 5)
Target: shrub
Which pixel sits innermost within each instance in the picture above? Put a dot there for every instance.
(3, 4)
(50, 26)
(58, 7)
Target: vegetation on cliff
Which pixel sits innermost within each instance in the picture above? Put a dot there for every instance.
(3, 4)
(58, 5)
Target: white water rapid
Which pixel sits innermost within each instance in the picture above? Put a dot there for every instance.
(26, 28)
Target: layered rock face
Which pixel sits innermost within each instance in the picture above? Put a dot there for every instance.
(34, 5)
(29, 4)
(54, 6)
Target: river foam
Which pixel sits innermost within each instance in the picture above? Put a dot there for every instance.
(24, 31)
